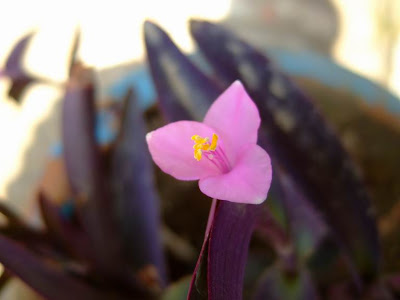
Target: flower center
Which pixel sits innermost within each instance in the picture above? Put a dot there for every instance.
(218, 156)
(201, 144)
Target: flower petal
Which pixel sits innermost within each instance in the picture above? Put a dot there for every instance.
(171, 147)
(248, 182)
(235, 117)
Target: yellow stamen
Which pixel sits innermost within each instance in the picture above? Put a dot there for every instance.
(197, 154)
(202, 144)
(214, 141)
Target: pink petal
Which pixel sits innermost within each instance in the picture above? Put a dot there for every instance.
(248, 182)
(172, 150)
(235, 117)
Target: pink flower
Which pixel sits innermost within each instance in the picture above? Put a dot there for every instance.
(221, 152)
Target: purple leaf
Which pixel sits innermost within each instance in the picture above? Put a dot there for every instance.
(300, 141)
(184, 92)
(224, 255)
(14, 70)
(228, 248)
(45, 278)
(134, 190)
(82, 157)
(14, 61)
(276, 284)
(85, 172)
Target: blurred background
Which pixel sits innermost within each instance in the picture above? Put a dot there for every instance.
(361, 35)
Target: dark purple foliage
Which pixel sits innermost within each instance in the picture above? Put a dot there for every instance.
(45, 278)
(13, 67)
(133, 186)
(220, 269)
(300, 141)
(86, 173)
(14, 70)
(84, 247)
(229, 241)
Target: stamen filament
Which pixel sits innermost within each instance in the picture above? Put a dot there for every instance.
(218, 157)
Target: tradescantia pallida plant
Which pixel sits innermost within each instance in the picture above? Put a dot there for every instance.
(302, 147)
(223, 128)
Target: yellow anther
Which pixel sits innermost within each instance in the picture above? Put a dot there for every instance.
(197, 154)
(199, 140)
(197, 146)
(214, 141)
(202, 144)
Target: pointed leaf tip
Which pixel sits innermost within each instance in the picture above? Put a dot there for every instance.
(14, 60)
(184, 91)
(153, 32)
(14, 70)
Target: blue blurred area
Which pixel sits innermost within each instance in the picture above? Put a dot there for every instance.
(324, 70)
(67, 209)
(139, 79)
